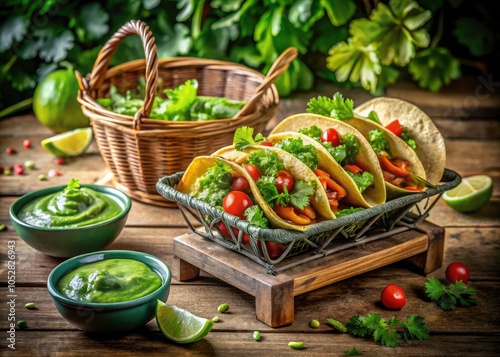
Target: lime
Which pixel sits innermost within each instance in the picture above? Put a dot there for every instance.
(70, 143)
(180, 325)
(471, 194)
(55, 102)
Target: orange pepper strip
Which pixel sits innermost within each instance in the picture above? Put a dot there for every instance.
(387, 165)
(353, 168)
(308, 211)
(334, 205)
(288, 214)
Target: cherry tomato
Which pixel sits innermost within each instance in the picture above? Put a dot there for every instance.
(266, 143)
(457, 271)
(27, 144)
(330, 135)
(253, 171)
(236, 202)
(240, 184)
(284, 179)
(273, 249)
(393, 297)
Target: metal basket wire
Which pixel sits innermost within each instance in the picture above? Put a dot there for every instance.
(324, 238)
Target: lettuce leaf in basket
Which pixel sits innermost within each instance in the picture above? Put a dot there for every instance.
(182, 103)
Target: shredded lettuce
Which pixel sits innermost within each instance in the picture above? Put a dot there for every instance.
(214, 185)
(336, 107)
(378, 141)
(363, 180)
(304, 152)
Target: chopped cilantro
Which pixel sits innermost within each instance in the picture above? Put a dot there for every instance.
(336, 107)
(363, 180)
(405, 135)
(378, 141)
(267, 161)
(268, 190)
(214, 184)
(243, 137)
(255, 215)
(448, 297)
(304, 152)
(313, 132)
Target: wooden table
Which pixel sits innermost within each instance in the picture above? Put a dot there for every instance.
(470, 238)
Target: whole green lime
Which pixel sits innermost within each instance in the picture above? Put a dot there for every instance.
(55, 102)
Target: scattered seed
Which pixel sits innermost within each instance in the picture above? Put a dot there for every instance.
(215, 319)
(10, 150)
(223, 308)
(21, 324)
(296, 345)
(314, 323)
(18, 169)
(3, 227)
(59, 161)
(256, 335)
(30, 164)
(53, 173)
(27, 144)
(30, 305)
(42, 177)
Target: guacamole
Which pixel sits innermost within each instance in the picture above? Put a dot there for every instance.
(74, 206)
(109, 281)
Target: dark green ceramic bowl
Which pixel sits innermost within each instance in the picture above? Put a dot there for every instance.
(68, 242)
(109, 317)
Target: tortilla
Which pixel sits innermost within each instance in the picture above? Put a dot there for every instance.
(373, 195)
(297, 169)
(398, 148)
(431, 149)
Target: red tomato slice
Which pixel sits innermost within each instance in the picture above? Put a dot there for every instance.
(395, 127)
(266, 143)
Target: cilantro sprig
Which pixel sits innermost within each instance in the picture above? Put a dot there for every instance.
(387, 333)
(451, 296)
(243, 137)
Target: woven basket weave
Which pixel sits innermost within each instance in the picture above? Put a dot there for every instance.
(138, 150)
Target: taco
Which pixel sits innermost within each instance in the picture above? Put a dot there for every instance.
(402, 170)
(415, 127)
(289, 192)
(344, 153)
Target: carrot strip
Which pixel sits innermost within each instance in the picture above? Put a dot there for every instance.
(288, 214)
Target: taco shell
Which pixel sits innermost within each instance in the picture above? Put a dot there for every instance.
(296, 168)
(373, 195)
(431, 148)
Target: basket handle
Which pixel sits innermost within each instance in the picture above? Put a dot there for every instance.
(279, 66)
(133, 27)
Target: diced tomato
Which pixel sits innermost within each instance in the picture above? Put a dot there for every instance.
(413, 188)
(266, 143)
(395, 127)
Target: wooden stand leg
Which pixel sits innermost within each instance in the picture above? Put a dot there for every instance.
(274, 304)
(182, 270)
(432, 258)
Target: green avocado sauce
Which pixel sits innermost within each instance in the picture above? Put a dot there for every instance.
(74, 206)
(109, 281)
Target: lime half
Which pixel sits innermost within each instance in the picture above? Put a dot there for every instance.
(70, 143)
(180, 325)
(471, 194)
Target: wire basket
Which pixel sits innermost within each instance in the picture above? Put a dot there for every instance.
(138, 150)
(324, 238)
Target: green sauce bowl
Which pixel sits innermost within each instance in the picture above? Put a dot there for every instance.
(109, 317)
(69, 242)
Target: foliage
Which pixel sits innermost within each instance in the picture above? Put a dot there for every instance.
(364, 45)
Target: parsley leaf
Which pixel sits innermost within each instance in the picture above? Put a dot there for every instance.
(268, 190)
(267, 161)
(301, 193)
(449, 297)
(214, 184)
(243, 137)
(11, 31)
(378, 141)
(94, 20)
(312, 132)
(352, 352)
(56, 49)
(406, 136)
(363, 180)
(480, 42)
(336, 107)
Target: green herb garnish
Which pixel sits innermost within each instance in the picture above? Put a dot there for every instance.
(449, 297)
(304, 152)
(243, 137)
(336, 107)
(214, 184)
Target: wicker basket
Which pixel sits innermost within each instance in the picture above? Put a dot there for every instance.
(138, 150)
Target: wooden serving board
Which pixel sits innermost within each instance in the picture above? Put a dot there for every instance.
(274, 294)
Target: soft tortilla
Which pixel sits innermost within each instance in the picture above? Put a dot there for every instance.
(431, 149)
(373, 195)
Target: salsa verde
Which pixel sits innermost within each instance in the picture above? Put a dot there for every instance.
(109, 281)
(74, 206)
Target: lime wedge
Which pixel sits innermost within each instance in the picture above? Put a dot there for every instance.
(180, 325)
(70, 143)
(471, 194)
